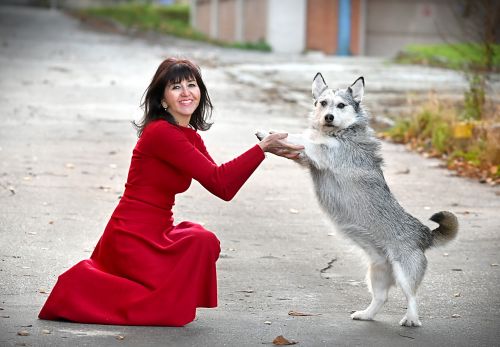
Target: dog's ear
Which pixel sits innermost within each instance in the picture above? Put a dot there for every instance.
(318, 86)
(357, 89)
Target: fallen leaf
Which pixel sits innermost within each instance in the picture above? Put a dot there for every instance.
(245, 291)
(43, 291)
(267, 322)
(494, 264)
(301, 314)
(45, 331)
(294, 211)
(457, 295)
(403, 172)
(456, 269)
(455, 315)
(282, 341)
(70, 166)
(23, 333)
(119, 337)
(5, 316)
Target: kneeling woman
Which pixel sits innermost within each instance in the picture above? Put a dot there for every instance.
(145, 270)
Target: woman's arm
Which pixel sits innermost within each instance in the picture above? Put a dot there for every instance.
(170, 144)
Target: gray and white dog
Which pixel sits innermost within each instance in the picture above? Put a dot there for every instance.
(343, 157)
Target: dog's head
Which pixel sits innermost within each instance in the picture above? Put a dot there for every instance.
(337, 110)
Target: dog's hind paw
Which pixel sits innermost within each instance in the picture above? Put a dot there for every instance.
(362, 315)
(410, 322)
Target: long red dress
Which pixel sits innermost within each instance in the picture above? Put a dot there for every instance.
(145, 270)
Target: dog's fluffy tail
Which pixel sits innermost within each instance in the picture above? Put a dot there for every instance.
(447, 229)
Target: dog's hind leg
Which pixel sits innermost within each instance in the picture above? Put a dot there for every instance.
(408, 275)
(380, 279)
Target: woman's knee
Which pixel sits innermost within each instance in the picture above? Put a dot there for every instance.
(208, 241)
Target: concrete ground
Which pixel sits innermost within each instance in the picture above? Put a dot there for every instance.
(67, 96)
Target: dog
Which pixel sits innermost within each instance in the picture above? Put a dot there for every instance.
(343, 156)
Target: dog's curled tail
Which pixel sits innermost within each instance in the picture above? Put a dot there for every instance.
(447, 229)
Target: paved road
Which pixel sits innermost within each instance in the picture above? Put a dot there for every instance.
(67, 95)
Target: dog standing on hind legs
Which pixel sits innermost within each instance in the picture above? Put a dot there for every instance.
(343, 157)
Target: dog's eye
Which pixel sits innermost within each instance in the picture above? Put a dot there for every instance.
(323, 103)
(340, 105)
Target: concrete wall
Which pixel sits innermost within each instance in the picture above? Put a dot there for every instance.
(286, 25)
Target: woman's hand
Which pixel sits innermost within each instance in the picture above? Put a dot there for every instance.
(275, 143)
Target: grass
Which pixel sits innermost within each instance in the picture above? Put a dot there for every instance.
(460, 56)
(170, 20)
(467, 146)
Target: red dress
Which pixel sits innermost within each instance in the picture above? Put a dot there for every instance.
(145, 270)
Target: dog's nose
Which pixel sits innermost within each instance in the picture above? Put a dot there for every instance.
(329, 118)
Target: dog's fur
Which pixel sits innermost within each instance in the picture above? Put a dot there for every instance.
(343, 157)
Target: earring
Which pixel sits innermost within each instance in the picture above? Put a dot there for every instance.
(165, 106)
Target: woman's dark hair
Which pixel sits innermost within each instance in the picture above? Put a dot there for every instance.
(173, 70)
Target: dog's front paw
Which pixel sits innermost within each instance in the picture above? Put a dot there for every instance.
(410, 321)
(260, 135)
(362, 315)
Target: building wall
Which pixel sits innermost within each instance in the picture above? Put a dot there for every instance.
(227, 21)
(322, 25)
(202, 16)
(255, 20)
(356, 27)
(393, 24)
(286, 25)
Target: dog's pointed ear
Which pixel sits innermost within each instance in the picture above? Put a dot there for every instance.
(357, 89)
(318, 86)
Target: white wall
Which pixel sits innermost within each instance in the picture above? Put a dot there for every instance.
(286, 25)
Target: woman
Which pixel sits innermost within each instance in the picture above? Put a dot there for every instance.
(145, 270)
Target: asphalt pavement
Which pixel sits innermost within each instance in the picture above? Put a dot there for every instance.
(67, 95)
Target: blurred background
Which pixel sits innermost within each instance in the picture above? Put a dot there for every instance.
(452, 113)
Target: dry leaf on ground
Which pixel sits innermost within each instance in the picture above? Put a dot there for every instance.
(301, 314)
(282, 341)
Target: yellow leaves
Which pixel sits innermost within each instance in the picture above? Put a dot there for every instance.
(463, 130)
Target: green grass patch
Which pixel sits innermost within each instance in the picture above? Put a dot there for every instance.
(171, 20)
(458, 56)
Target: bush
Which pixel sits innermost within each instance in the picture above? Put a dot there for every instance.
(467, 146)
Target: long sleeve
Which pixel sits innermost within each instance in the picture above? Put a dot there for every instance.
(171, 145)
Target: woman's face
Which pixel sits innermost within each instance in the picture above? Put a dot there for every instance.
(182, 99)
